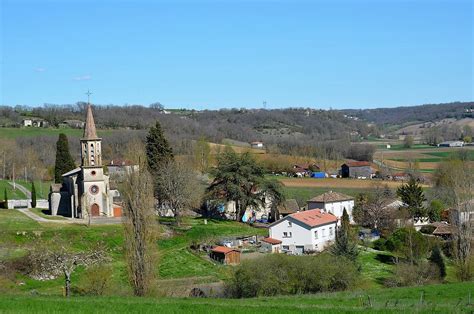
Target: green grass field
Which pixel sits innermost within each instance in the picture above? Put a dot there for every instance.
(12, 133)
(42, 189)
(448, 298)
(11, 193)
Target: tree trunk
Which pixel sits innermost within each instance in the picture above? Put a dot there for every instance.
(67, 287)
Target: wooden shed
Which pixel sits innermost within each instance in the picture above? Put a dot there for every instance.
(225, 255)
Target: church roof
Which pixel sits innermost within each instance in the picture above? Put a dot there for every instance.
(72, 172)
(89, 128)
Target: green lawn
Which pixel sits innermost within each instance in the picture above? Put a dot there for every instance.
(42, 188)
(12, 194)
(177, 261)
(447, 298)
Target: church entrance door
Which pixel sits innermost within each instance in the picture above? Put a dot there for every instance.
(95, 210)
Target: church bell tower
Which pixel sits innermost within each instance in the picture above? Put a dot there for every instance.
(90, 143)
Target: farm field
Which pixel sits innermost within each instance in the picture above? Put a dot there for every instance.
(332, 184)
(447, 298)
(427, 158)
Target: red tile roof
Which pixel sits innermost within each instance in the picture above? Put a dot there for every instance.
(271, 240)
(358, 164)
(314, 217)
(223, 249)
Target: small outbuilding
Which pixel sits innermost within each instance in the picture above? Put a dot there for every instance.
(225, 255)
(271, 245)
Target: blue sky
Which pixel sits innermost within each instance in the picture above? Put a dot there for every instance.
(214, 54)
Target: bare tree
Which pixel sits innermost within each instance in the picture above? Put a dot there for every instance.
(372, 209)
(178, 189)
(49, 261)
(141, 229)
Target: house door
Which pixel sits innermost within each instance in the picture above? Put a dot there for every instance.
(299, 250)
(95, 210)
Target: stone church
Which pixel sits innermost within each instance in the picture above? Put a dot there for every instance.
(85, 190)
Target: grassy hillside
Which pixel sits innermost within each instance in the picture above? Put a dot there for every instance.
(12, 133)
(449, 298)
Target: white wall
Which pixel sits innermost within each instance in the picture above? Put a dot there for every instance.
(302, 235)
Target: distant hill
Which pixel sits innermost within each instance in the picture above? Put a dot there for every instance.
(413, 114)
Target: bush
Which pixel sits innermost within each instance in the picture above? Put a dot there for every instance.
(406, 274)
(379, 244)
(96, 281)
(279, 274)
(409, 243)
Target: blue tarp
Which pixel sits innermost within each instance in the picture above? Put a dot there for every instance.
(318, 175)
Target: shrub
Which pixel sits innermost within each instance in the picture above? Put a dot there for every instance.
(406, 274)
(96, 281)
(379, 244)
(279, 274)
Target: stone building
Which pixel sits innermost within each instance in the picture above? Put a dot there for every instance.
(85, 190)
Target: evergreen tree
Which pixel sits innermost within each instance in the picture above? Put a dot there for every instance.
(412, 195)
(239, 178)
(64, 161)
(5, 199)
(437, 259)
(158, 150)
(33, 195)
(345, 244)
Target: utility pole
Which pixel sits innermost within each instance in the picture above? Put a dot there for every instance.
(26, 177)
(264, 105)
(4, 166)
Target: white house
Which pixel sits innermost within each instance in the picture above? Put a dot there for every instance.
(333, 203)
(310, 230)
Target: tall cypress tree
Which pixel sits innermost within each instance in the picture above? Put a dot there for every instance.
(33, 195)
(437, 259)
(64, 161)
(345, 244)
(158, 150)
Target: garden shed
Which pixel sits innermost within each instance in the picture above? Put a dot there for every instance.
(225, 255)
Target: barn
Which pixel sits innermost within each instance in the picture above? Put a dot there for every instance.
(356, 169)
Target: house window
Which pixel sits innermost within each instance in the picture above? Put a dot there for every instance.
(289, 224)
(316, 234)
(287, 234)
(330, 231)
(286, 247)
(323, 231)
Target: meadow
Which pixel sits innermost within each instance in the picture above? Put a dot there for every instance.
(447, 298)
(13, 133)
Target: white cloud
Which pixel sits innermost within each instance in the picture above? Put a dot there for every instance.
(40, 69)
(82, 78)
